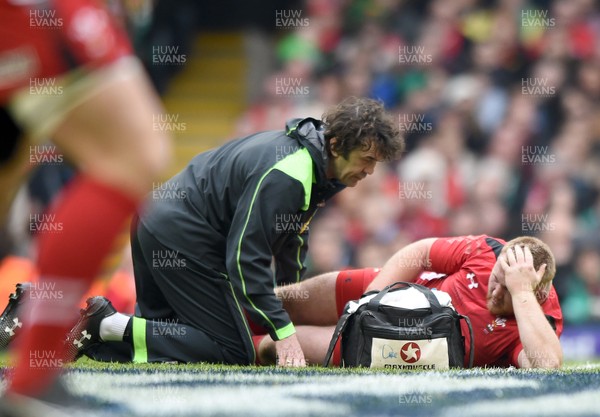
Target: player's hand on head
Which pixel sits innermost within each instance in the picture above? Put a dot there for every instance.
(519, 272)
(289, 352)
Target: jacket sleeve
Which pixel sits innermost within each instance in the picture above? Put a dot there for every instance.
(261, 211)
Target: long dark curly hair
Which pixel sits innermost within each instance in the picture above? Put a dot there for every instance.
(360, 123)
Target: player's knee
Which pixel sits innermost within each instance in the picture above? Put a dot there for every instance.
(292, 298)
(143, 163)
(154, 156)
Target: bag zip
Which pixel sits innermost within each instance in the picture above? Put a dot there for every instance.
(375, 330)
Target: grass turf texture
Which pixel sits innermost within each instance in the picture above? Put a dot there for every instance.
(218, 390)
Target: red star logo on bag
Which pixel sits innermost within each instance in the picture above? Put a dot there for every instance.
(410, 352)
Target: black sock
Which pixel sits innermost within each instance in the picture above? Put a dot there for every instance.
(128, 335)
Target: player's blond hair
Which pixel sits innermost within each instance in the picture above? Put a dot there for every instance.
(541, 255)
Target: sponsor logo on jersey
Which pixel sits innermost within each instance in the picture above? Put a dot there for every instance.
(499, 321)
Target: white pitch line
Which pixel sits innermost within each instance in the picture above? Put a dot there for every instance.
(206, 400)
(157, 394)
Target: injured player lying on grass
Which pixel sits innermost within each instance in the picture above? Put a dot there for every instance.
(504, 288)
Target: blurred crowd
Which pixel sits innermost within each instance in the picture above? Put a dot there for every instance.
(499, 102)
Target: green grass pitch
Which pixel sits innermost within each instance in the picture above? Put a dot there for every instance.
(213, 390)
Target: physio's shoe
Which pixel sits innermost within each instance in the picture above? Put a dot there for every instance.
(10, 320)
(86, 331)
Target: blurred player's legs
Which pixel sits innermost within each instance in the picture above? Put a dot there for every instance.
(110, 137)
(102, 122)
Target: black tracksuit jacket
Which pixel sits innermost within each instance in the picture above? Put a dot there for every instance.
(237, 208)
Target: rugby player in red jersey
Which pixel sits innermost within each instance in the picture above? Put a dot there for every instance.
(504, 288)
(101, 120)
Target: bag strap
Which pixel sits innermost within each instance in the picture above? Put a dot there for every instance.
(471, 340)
(339, 328)
(374, 303)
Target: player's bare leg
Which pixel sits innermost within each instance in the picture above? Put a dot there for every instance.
(311, 302)
(111, 136)
(314, 306)
(314, 341)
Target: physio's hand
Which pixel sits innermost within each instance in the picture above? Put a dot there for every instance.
(519, 273)
(289, 352)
